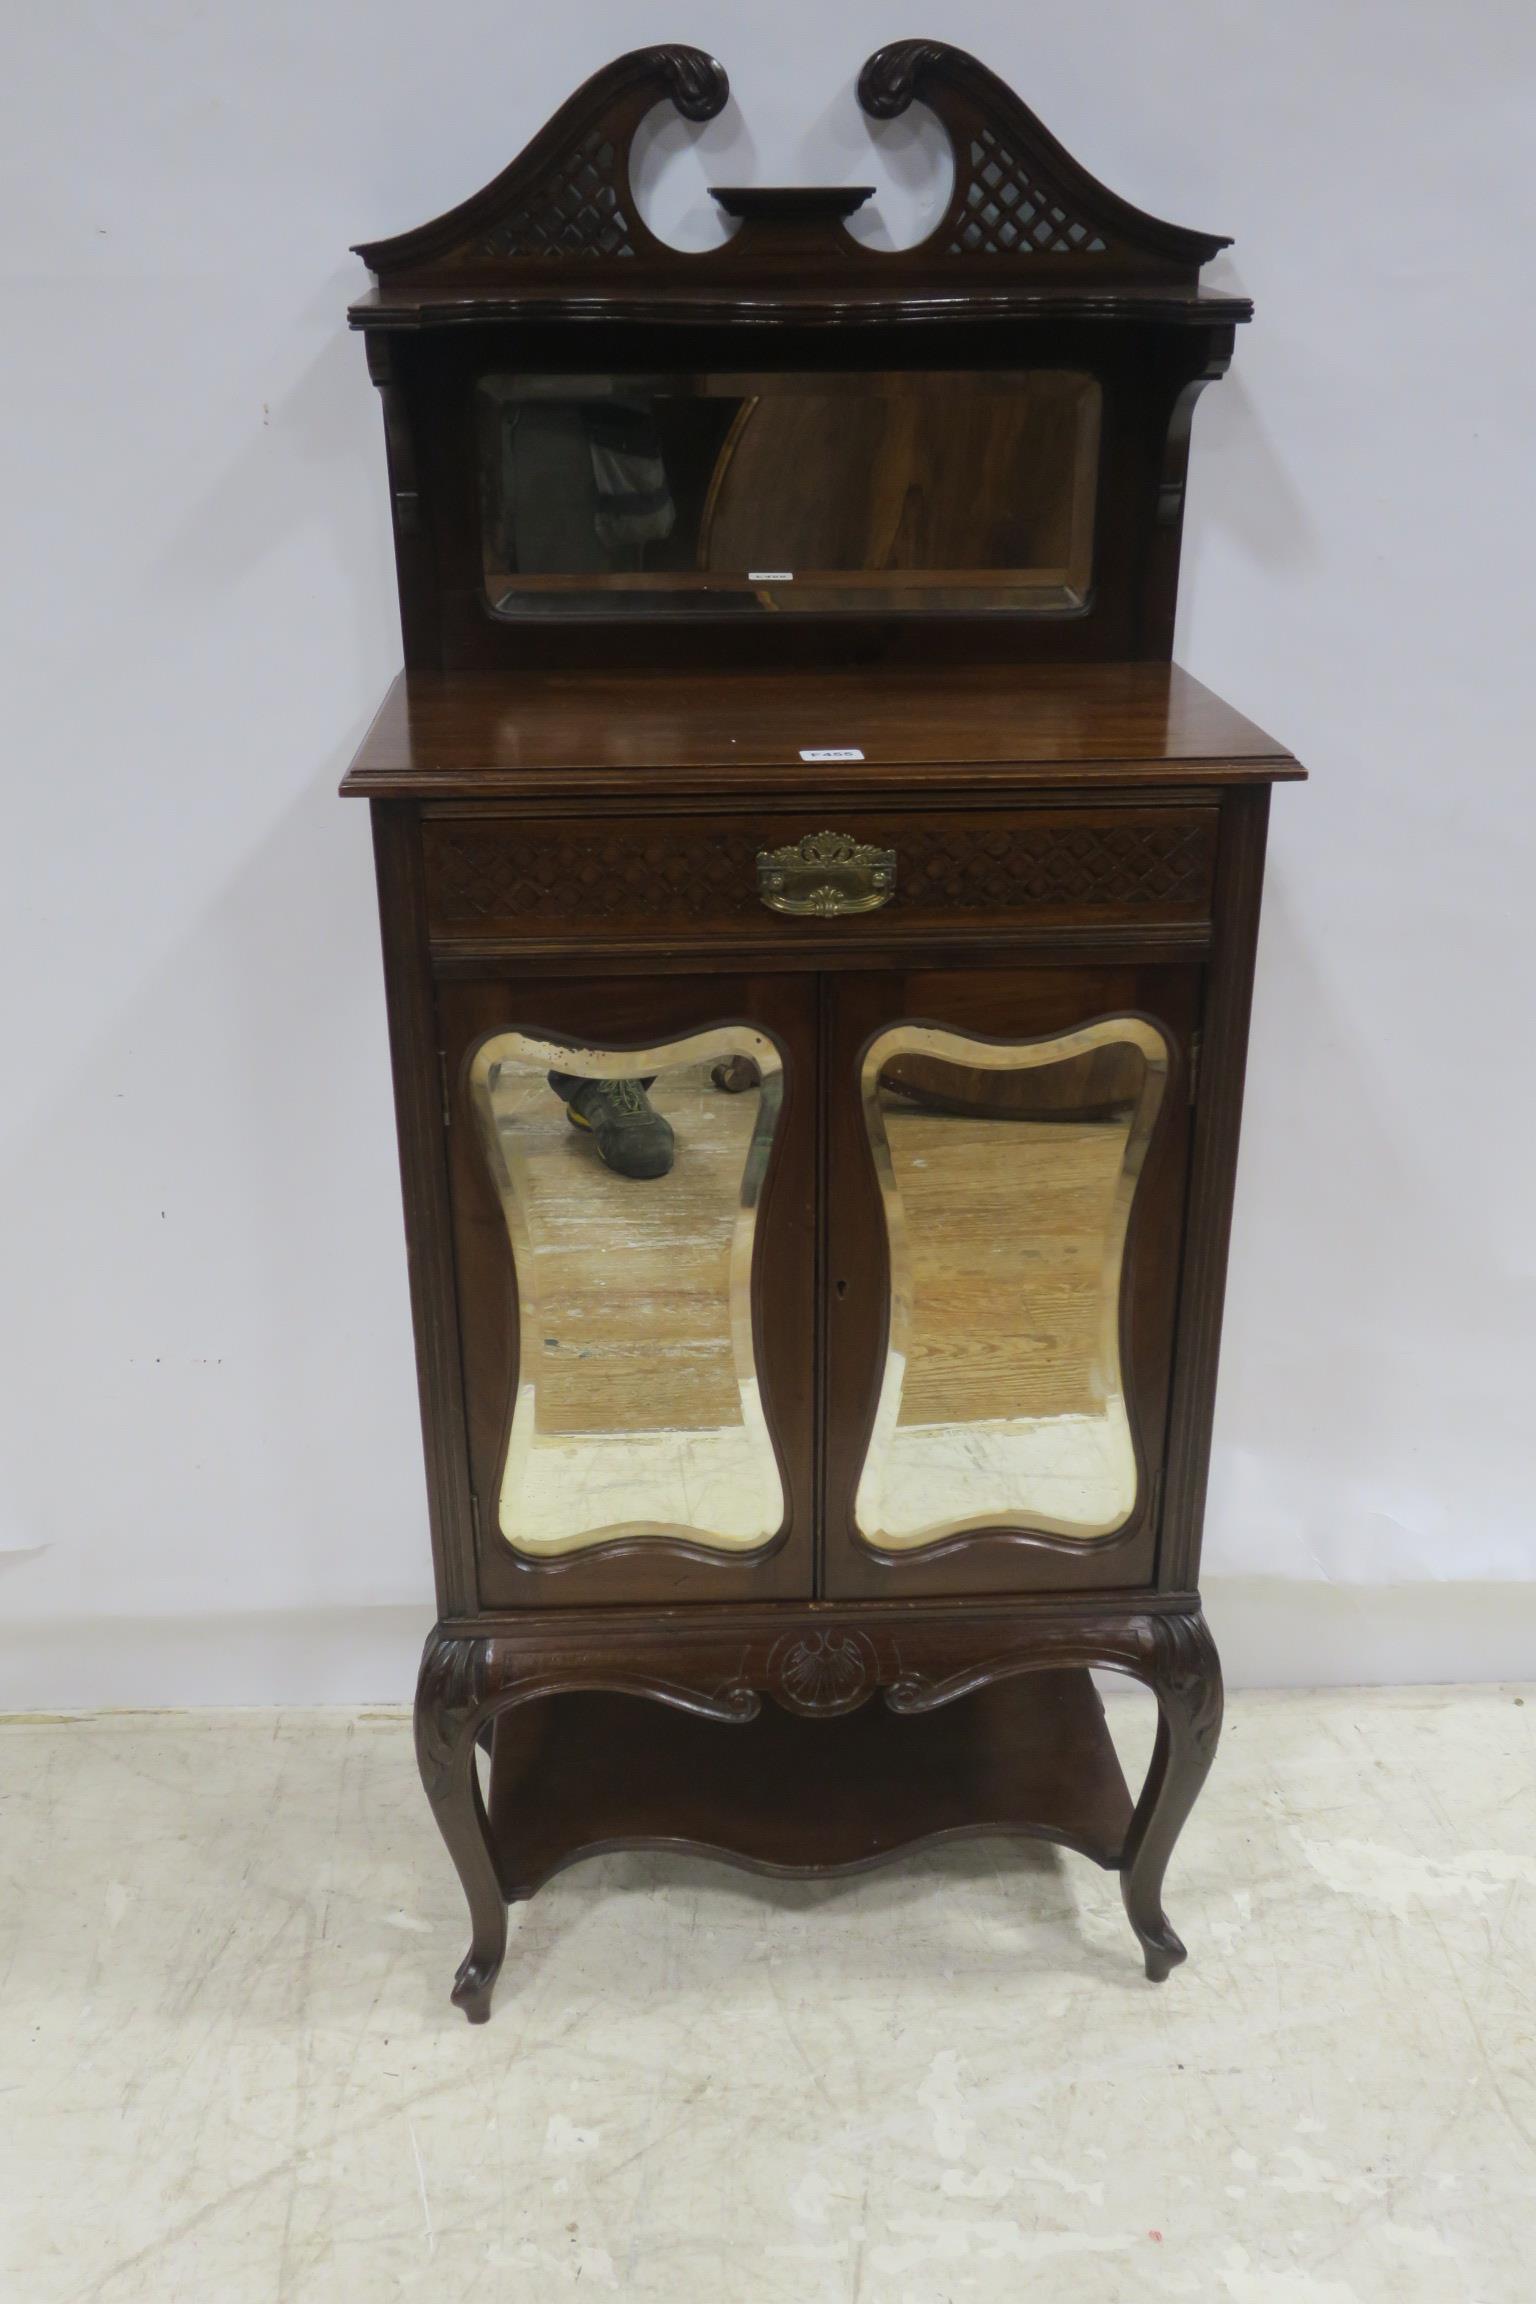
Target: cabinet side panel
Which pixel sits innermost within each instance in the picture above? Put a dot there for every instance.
(1218, 1117)
(396, 370)
(424, 1186)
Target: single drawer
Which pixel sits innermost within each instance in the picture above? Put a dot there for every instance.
(863, 873)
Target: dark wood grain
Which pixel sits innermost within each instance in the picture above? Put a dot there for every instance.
(568, 194)
(413, 1044)
(627, 877)
(1213, 1181)
(579, 1775)
(1143, 373)
(567, 810)
(449, 736)
(876, 300)
(565, 1786)
(559, 226)
(1063, 217)
(1035, 263)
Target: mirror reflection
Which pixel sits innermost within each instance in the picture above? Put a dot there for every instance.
(1007, 1175)
(629, 1183)
(775, 494)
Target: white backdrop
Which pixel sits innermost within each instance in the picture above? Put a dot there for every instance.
(211, 1483)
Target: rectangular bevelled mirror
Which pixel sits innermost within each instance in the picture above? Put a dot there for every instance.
(1007, 1175)
(629, 1184)
(922, 493)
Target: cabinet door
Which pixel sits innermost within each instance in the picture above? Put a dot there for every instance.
(631, 1166)
(1007, 1159)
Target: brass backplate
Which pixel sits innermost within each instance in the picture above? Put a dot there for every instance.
(825, 876)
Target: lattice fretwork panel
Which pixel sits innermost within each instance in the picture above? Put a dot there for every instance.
(577, 211)
(585, 882)
(958, 870)
(1001, 213)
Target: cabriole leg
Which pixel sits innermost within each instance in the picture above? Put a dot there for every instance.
(450, 1693)
(1184, 1674)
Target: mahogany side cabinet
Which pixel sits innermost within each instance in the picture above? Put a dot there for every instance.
(819, 926)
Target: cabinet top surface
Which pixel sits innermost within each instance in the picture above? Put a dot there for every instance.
(491, 735)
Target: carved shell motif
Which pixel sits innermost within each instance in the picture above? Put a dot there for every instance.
(822, 1672)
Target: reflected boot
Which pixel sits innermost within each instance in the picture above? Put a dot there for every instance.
(630, 1134)
(734, 1075)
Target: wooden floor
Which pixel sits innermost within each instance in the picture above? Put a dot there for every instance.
(631, 1277)
(1006, 1227)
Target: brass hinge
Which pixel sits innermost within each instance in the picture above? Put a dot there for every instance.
(442, 1074)
(1195, 1040)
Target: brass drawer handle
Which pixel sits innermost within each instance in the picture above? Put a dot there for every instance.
(826, 875)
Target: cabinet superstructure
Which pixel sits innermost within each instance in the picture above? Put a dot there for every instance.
(819, 928)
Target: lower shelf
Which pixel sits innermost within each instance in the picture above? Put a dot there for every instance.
(579, 1774)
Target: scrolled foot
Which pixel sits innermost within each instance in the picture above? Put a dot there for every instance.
(1161, 1949)
(476, 1981)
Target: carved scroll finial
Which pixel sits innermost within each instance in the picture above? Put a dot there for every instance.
(696, 83)
(888, 81)
(1020, 195)
(568, 193)
(561, 222)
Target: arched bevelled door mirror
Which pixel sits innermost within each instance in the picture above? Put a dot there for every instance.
(629, 1184)
(1007, 1176)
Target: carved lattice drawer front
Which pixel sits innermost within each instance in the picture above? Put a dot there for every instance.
(579, 881)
